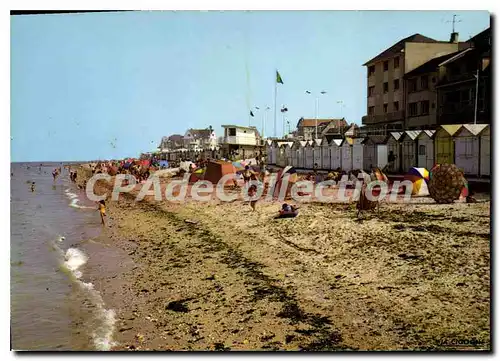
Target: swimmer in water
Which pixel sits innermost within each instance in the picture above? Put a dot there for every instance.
(102, 210)
(33, 186)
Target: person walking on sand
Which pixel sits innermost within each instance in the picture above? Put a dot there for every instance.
(55, 173)
(32, 186)
(102, 210)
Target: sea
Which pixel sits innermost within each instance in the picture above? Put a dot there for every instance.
(57, 248)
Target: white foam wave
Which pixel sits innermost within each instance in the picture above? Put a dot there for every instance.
(74, 260)
(74, 200)
(103, 335)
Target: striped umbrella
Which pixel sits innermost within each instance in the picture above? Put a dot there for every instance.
(419, 177)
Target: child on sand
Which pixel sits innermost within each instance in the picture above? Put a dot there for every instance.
(251, 193)
(102, 210)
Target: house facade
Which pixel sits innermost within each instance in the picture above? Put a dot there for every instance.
(306, 128)
(241, 142)
(387, 92)
(200, 139)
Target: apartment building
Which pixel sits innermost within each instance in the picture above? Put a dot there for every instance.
(442, 91)
(387, 95)
(457, 84)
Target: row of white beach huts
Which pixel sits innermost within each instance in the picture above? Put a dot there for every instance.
(466, 145)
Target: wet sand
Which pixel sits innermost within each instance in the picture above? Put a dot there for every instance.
(217, 276)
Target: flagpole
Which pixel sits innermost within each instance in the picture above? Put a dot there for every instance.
(275, 96)
(284, 125)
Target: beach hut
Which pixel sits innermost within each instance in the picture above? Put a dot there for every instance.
(288, 153)
(467, 155)
(357, 153)
(444, 150)
(409, 149)
(274, 152)
(336, 153)
(394, 146)
(484, 145)
(317, 152)
(302, 153)
(425, 142)
(309, 155)
(280, 154)
(295, 154)
(347, 154)
(375, 152)
(325, 153)
(269, 151)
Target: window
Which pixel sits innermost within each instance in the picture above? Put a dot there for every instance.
(421, 149)
(385, 108)
(396, 63)
(231, 132)
(412, 85)
(424, 107)
(371, 70)
(396, 84)
(396, 106)
(386, 87)
(413, 109)
(424, 83)
(386, 65)
(371, 110)
(371, 91)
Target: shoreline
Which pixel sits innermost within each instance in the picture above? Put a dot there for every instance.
(234, 279)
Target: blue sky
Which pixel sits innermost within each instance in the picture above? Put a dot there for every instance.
(110, 85)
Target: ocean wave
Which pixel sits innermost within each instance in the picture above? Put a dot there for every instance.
(102, 336)
(74, 199)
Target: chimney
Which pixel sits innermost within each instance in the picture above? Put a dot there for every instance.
(454, 38)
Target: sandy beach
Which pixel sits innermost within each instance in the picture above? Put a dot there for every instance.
(217, 276)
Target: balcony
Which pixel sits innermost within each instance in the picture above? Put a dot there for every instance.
(383, 118)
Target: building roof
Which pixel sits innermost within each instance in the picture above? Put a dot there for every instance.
(397, 135)
(338, 142)
(431, 65)
(312, 122)
(376, 139)
(475, 129)
(455, 57)
(239, 127)
(428, 133)
(415, 38)
(451, 129)
(412, 134)
(200, 133)
(396, 48)
(175, 138)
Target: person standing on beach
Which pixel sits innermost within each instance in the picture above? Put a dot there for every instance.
(32, 186)
(102, 210)
(55, 173)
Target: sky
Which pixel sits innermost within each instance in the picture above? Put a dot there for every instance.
(110, 85)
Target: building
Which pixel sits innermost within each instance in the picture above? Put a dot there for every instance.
(422, 93)
(200, 139)
(173, 142)
(386, 99)
(457, 83)
(241, 142)
(306, 128)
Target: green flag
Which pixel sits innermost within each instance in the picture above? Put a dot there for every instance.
(278, 78)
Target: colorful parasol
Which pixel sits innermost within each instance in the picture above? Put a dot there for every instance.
(447, 183)
(419, 177)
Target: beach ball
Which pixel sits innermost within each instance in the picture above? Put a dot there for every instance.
(446, 183)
